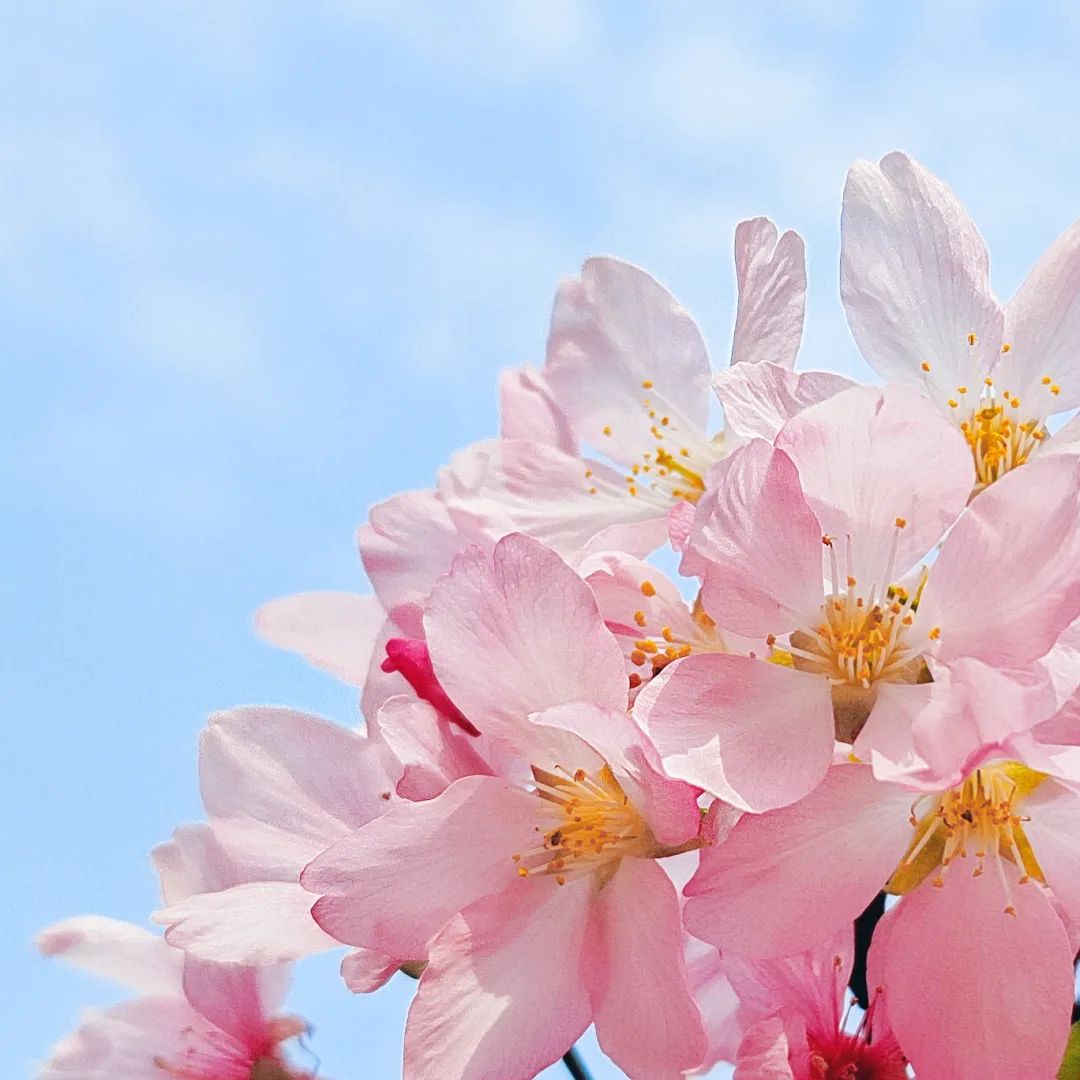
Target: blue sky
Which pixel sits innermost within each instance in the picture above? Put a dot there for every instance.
(259, 266)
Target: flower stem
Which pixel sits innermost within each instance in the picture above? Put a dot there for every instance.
(574, 1065)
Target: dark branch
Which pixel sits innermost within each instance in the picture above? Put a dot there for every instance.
(864, 931)
(574, 1065)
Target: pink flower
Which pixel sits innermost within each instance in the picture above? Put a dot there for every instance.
(191, 1020)
(408, 542)
(795, 1016)
(628, 374)
(279, 787)
(643, 608)
(915, 280)
(869, 479)
(976, 958)
(534, 892)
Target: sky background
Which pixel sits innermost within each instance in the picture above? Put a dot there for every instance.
(259, 266)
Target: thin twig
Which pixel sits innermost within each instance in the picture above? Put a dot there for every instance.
(574, 1065)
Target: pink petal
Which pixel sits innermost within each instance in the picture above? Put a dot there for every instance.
(886, 739)
(1042, 326)
(611, 331)
(260, 922)
(332, 630)
(504, 994)
(1007, 582)
(528, 410)
(812, 983)
(869, 456)
(128, 1040)
(972, 992)
(518, 631)
(764, 1052)
(433, 752)
(669, 806)
(973, 708)
(280, 785)
(787, 880)
(756, 544)
(1054, 811)
(915, 278)
(393, 884)
(115, 950)
(230, 997)
(750, 732)
(366, 971)
(771, 276)
(758, 399)
(537, 489)
(646, 1019)
(193, 861)
(716, 1001)
(408, 542)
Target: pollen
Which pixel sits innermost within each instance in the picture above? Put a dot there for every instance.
(1000, 436)
(588, 824)
(861, 636)
(980, 819)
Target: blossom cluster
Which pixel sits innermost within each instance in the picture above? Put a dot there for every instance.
(583, 793)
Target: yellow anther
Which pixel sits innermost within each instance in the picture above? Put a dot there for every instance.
(648, 588)
(935, 633)
(1006, 347)
(961, 389)
(901, 522)
(607, 429)
(972, 339)
(639, 618)
(953, 404)
(925, 366)
(647, 384)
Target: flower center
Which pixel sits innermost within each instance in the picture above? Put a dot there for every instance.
(588, 824)
(978, 818)
(674, 466)
(861, 636)
(652, 643)
(1001, 437)
(1002, 431)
